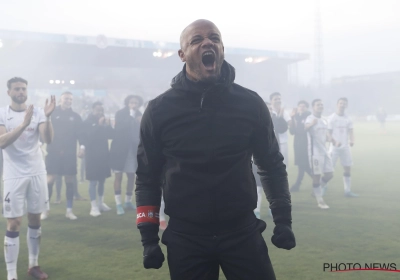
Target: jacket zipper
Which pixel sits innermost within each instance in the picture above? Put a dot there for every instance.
(202, 100)
(212, 192)
(210, 114)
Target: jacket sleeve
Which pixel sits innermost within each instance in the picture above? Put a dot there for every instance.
(149, 178)
(280, 124)
(271, 168)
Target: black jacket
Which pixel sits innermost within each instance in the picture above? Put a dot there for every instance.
(95, 138)
(300, 142)
(126, 136)
(67, 126)
(206, 136)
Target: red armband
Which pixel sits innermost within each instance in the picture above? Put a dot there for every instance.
(148, 214)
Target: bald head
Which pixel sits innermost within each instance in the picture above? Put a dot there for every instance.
(196, 24)
(202, 50)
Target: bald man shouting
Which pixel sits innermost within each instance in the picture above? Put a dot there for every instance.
(197, 142)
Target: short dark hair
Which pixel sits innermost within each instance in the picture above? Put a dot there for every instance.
(344, 99)
(315, 101)
(129, 97)
(303, 102)
(273, 95)
(97, 103)
(16, 80)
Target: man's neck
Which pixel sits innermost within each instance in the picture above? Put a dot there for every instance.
(277, 109)
(318, 115)
(18, 107)
(190, 77)
(340, 113)
(64, 108)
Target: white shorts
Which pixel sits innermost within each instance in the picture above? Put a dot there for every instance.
(343, 153)
(31, 192)
(321, 164)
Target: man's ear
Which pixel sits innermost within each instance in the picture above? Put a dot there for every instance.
(182, 55)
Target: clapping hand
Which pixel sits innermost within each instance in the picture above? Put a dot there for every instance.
(28, 116)
(50, 106)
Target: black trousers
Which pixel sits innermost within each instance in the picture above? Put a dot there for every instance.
(300, 175)
(197, 254)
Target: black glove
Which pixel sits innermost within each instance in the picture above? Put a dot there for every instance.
(283, 237)
(153, 257)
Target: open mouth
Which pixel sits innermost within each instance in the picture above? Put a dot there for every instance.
(208, 59)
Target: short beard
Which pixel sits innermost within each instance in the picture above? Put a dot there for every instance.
(18, 101)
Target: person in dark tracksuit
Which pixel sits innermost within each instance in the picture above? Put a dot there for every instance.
(300, 142)
(124, 150)
(61, 156)
(96, 133)
(203, 132)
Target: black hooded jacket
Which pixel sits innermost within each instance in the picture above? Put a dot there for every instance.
(196, 143)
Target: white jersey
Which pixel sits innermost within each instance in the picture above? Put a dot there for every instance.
(283, 137)
(317, 135)
(22, 158)
(340, 126)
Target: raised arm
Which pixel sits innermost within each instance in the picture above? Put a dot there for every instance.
(7, 138)
(45, 127)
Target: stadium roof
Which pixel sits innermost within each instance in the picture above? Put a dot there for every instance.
(102, 42)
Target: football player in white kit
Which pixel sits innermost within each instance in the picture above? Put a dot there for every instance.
(320, 162)
(24, 173)
(340, 128)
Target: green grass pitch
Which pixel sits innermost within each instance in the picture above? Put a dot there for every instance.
(363, 230)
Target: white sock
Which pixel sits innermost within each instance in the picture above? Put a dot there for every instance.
(11, 251)
(94, 203)
(128, 198)
(33, 239)
(162, 214)
(347, 183)
(318, 192)
(259, 198)
(323, 183)
(69, 210)
(101, 200)
(118, 199)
